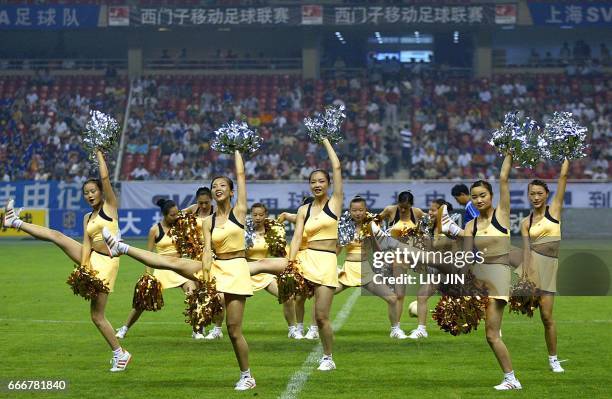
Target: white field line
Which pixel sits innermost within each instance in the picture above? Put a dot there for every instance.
(299, 378)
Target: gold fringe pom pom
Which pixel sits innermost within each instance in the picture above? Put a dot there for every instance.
(275, 238)
(366, 226)
(291, 284)
(461, 308)
(148, 294)
(523, 298)
(203, 304)
(186, 236)
(84, 282)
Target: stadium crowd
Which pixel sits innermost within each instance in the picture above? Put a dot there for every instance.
(421, 124)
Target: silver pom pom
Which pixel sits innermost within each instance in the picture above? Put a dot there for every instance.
(326, 125)
(519, 137)
(236, 136)
(564, 138)
(249, 233)
(101, 133)
(346, 229)
(425, 224)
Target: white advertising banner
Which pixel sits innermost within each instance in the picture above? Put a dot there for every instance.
(144, 194)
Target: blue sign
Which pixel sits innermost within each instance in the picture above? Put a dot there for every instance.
(49, 17)
(43, 194)
(132, 222)
(583, 14)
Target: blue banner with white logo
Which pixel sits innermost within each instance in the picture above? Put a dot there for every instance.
(49, 17)
(132, 222)
(569, 14)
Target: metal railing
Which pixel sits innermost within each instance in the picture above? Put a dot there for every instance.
(62, 64)
(225, 64)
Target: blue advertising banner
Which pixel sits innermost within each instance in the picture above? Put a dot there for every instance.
(43, 194)
(48, 17)
(132, 222)
(583, 14)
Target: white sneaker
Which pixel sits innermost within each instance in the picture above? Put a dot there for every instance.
(120, 363)
(312, 333)
(448, 226)
(11, 218)
(555, 366)
(508, 384)
(326, 364)
(197, 335)
(244, 384)
(418, 334)
(121, 332)
(398, 333)
(214, 334)
(294, 334)
(113, 243)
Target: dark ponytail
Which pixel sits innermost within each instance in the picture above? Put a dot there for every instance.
(441, 202)
(165, 205)
(203, 191)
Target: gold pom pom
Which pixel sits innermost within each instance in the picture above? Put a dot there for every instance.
(291, 283)
(84, 282)
(186, 236)
(461, 308)
(203, 304)
(523, 298)
(275, 238)
(148, 294)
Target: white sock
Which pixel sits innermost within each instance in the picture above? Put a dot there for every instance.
(510, 375)
(218, 329)
(291, 328)
(314, 328)
(17, 223)
(454, 230)
(327, 357)
(300, 327)
(245, 374)
(552, 358)
(421, 327)
(117, 352)
(123, 248)
(126, 327)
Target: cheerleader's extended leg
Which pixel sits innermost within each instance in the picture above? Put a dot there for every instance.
(187, 268)
(268, 265)
(70, 247)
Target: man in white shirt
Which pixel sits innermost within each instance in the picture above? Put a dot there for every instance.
(140, 173)
(176, 158)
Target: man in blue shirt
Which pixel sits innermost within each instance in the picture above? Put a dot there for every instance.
(462, 196)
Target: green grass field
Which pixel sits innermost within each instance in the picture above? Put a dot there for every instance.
(45, 333)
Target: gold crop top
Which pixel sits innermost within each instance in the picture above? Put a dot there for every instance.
(96, 224)
(259, 250)
(163, 243)
(547, 229)
(323, 226)
(492, 241)
(398, 225)
(229, 237)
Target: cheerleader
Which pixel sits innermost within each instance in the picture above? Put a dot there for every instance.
(262, 281)
(319, 221)
(92, 253)
(223, 237)
(426, 291)
(489, 233)
(400, 217)
(351, 275)
(160, 240)
(203, 206)
(300, 302)
(541, 231)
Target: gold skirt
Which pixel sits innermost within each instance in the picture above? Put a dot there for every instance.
(320, 267)
(169, 279)
(496, 277)
(106, 267)
(261, 281)
(350, 276)
(232, 276)
(545, 270)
